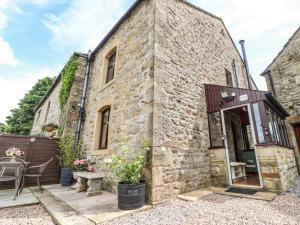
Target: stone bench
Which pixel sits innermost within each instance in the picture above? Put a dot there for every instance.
(88, 181)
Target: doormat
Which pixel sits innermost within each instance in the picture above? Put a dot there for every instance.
(242, 191)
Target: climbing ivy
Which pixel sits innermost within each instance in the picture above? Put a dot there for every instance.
(67, 78)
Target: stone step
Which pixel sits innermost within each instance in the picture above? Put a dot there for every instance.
(61, 212)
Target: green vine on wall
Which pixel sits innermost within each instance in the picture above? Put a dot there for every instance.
(67, 78)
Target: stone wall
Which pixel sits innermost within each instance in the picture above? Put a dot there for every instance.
(278, 167)
(66, 118)
(285, 73)
(129, 94)
(70, 112)
(218, 167)
(54, 111)
(192, 47)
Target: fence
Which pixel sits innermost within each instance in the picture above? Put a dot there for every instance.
(38, 150)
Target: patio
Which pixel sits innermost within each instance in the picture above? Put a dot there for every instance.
(26, 198)
(68, 207)
(205, 206)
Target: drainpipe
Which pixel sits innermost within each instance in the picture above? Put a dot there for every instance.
(233, 64)
(242, 43)
(82, 101)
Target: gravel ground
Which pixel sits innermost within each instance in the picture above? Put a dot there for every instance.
(296, 188)
(220, 209)
(25, 215)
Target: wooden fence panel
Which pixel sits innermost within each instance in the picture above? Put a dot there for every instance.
(38, 150)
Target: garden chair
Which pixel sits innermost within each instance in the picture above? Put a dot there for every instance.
(37, 172)
(13, 169)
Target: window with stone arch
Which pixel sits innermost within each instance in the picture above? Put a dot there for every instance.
(104, 126)
(110, 65)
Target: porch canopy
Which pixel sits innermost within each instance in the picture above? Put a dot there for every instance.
(267, 113)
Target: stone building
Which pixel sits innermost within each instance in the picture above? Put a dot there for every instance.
(49, 111)
(283, 80)
(150, 78)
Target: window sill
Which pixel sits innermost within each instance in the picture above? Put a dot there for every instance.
(216, 147)
(107, 85)
(273, 144)
(97, 152)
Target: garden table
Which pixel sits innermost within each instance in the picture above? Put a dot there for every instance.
(12, 169)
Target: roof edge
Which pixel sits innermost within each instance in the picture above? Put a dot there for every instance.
(280, 52)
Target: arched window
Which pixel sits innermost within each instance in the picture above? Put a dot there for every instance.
(111, 64)
(105, 114)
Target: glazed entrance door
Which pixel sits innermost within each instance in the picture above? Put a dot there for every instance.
(297, 134)
(240, 142)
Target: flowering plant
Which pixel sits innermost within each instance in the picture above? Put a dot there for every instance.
(80, 165)
(128, 163)
(14, 152)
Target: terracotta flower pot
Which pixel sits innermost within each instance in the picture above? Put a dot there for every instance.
(49, 128)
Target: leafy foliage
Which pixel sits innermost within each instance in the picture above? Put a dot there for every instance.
(128, 164)
(67, 154)
(67, 78)
(3, 128)
(21, 119)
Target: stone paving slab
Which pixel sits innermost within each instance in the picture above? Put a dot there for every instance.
(260, 195)
(195, 195)
(26, 198)
(99, 209)
(61, 212)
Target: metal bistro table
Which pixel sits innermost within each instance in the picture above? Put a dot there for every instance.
(13, 169)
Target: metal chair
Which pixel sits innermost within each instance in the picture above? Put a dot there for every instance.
(37, 172)
(13, 169)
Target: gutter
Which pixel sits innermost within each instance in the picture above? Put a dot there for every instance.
(82, 101)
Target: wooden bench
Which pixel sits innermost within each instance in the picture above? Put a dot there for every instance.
(90, 182)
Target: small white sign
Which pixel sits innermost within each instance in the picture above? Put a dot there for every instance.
(243, 98)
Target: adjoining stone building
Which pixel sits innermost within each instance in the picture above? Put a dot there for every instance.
(150, 77)
(49, 111)
(283, 80)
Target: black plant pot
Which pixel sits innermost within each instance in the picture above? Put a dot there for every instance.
(131, 196)
(66, 176)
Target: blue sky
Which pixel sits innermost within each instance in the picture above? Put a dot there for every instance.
(38, 36)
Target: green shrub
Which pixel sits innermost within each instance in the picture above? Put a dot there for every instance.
(128, 163)
(67, 154)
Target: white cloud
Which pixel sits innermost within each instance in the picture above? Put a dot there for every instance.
(7, 9)
(12, 90)
(253, 18)
(82, 26)
(6, 54)
(266, 25)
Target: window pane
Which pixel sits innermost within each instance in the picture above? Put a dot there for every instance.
(275, 126)
(260, 131)
(104, 129)
(215, 129)
(111, 67)
(271, 125)
(228, 78)
(110, 74)
(285, 133)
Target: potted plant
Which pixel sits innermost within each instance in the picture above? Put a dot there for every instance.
(127, 166)
(80, 165)
(67, 157)
(14, 152)
(49, 127)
